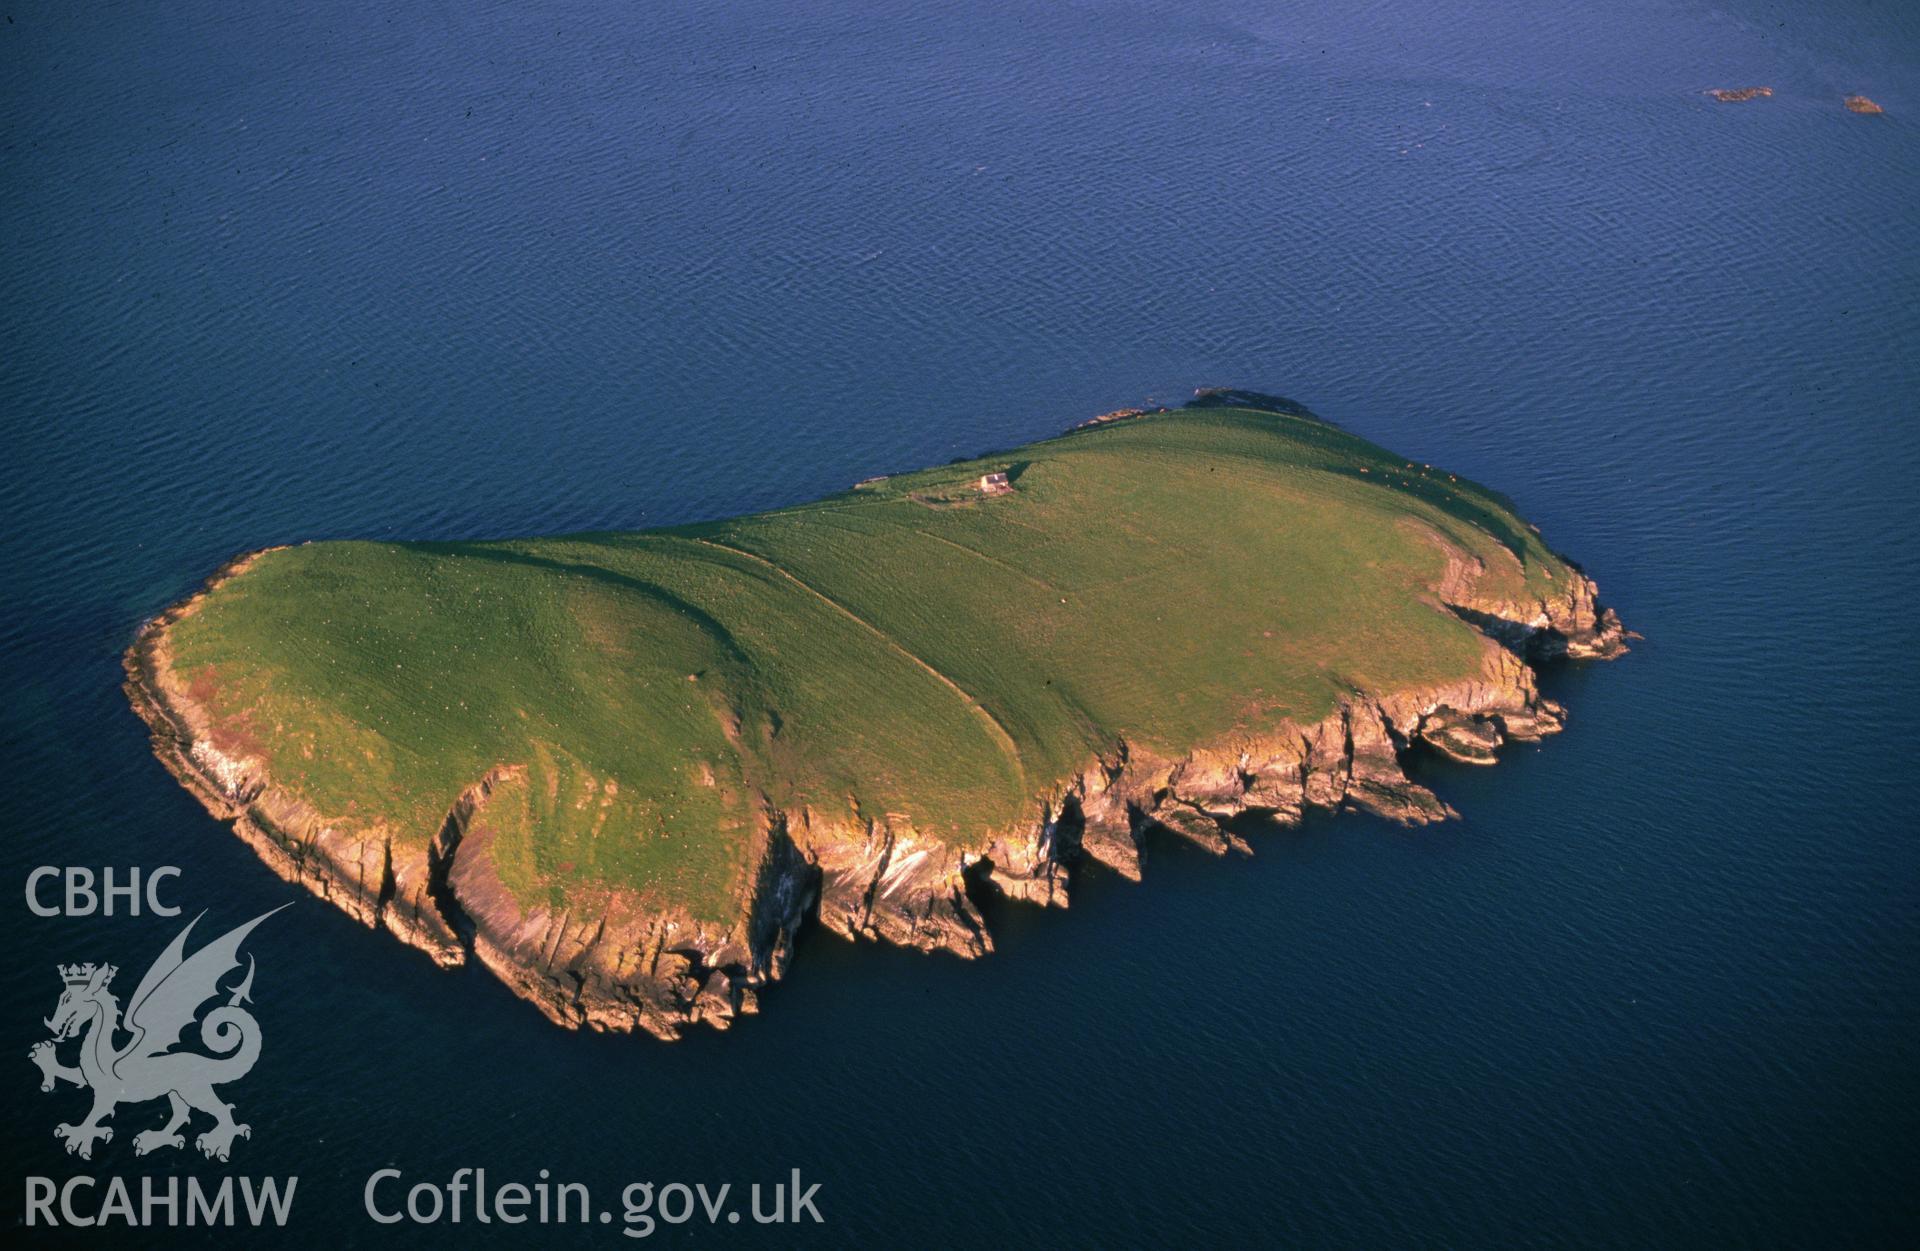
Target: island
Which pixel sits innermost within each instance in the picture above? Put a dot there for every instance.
(623, 769)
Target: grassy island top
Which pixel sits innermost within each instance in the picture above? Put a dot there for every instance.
(919, 648)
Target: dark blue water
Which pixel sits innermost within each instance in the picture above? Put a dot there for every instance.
(281, 272)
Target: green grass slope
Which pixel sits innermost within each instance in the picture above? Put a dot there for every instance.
(911, 648)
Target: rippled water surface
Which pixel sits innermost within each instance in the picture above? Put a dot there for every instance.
(283, 272)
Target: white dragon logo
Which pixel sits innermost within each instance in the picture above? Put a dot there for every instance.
(166, 1002)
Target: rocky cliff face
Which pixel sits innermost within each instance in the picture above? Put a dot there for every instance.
(608, 963)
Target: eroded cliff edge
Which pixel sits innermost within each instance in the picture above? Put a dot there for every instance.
(605, 962)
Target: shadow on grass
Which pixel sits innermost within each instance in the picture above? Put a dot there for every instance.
(652, 591)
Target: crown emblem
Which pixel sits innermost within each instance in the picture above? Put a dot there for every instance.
(82, 974)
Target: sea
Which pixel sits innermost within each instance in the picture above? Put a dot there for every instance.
(278, 272)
